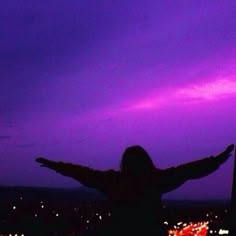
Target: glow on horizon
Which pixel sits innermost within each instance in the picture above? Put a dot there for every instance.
(211, 90)
(192, 93)
(205, 91)
(196, 92)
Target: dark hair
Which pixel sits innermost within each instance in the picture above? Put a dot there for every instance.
(136, 161)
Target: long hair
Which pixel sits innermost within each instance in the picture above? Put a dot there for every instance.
(136, 161)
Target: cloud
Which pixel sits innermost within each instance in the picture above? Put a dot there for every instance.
(5, 137)
(215, 89)
(211, 90)
(108, 119)
(82, 140)
(27, 145)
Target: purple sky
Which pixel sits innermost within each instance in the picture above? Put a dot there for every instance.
(82, 80)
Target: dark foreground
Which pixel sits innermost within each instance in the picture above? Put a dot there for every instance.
(44, 211)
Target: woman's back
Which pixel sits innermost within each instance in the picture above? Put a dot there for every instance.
(136, 203)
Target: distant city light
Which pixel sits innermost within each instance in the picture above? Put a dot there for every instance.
(223, 232)
(196, 229)
(209, 225)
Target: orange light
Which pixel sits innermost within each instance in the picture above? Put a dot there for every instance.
(197, 229)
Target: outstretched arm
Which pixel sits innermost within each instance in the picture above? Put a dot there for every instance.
(85, 175)
(176, 176)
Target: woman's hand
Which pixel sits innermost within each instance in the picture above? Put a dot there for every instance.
(226, 153)
(45, 162)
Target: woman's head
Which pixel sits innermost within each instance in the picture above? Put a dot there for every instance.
(136, 161)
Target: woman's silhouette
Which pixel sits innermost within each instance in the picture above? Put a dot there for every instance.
(135, 191)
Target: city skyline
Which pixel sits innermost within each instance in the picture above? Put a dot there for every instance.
(81, 81)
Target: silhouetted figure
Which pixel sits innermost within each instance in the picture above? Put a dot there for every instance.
(135, 191)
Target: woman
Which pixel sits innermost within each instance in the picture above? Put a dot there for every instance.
(136, 190)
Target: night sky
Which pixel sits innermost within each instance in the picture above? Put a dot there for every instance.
(82, 80)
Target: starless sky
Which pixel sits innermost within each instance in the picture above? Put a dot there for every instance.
(82, 80)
